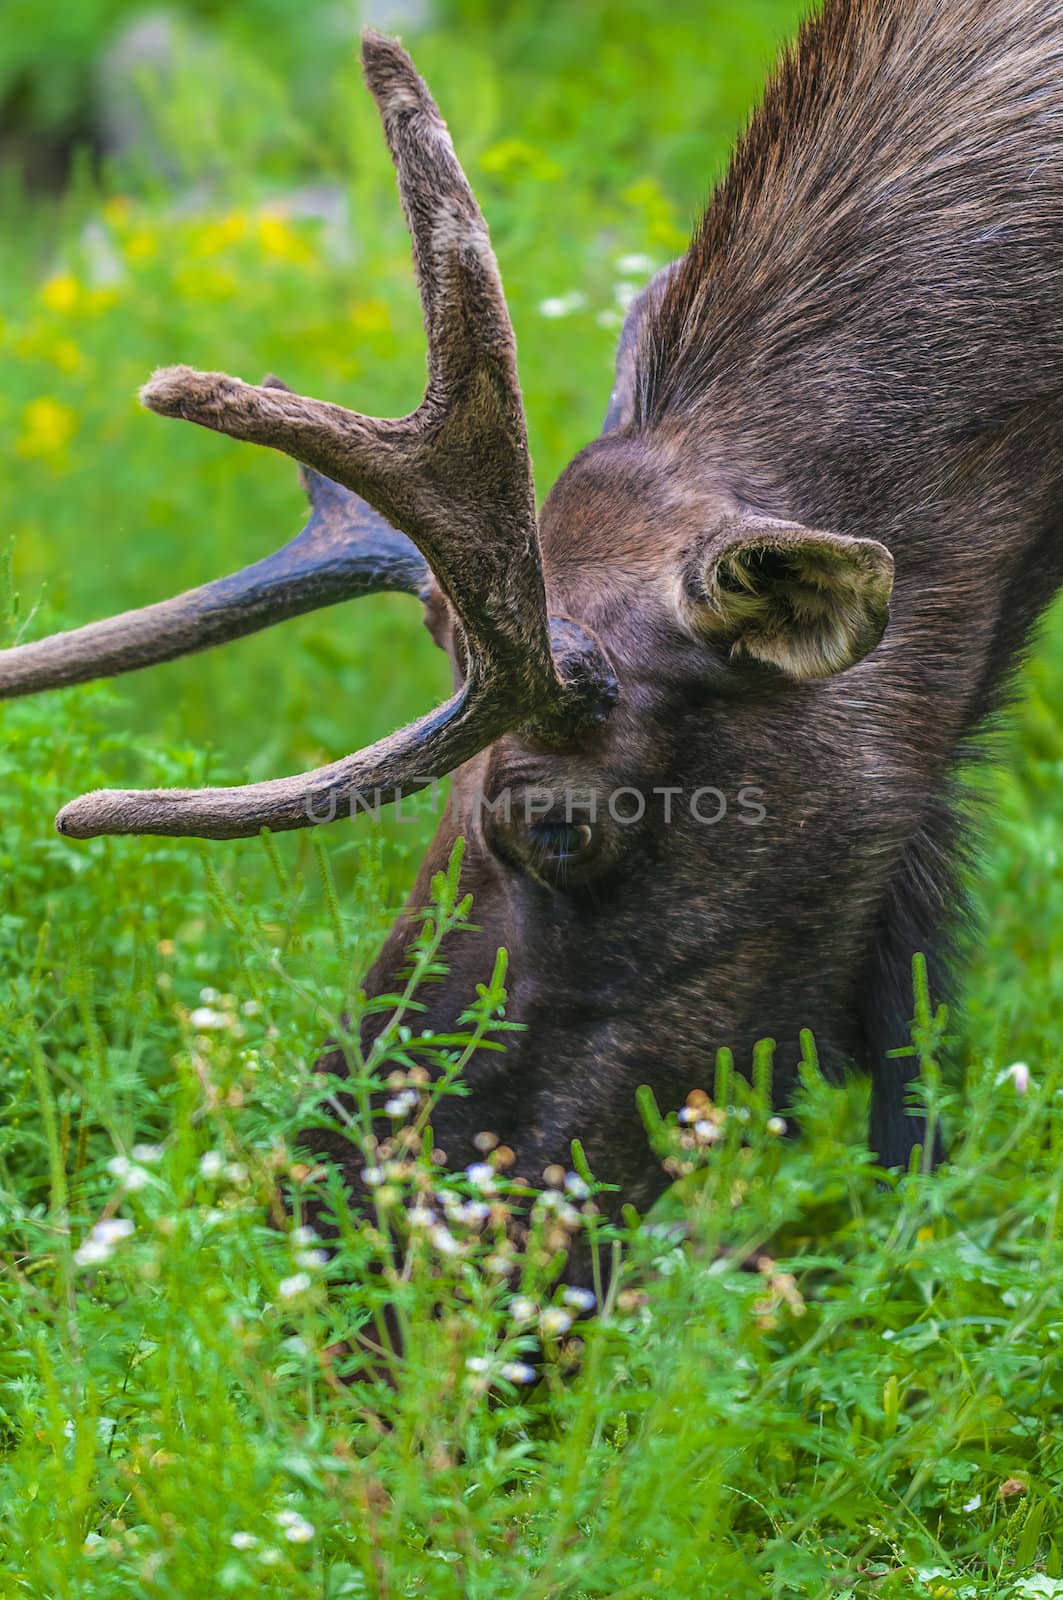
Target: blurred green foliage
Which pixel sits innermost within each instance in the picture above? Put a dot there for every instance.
(609, 86)
(709, 1437)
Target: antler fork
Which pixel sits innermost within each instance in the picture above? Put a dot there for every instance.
(454, 475)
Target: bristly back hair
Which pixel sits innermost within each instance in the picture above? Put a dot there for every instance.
(886, 250)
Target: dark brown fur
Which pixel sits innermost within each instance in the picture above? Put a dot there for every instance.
(867, 337)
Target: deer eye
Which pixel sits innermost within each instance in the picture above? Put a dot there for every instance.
(558, 853)
(556, 843)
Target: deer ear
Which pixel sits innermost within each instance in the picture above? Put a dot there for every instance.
(624, 400)
(807, 602)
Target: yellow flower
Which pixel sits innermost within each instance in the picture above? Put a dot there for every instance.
(278, 238)
(141, 245)
(116, 209)
(47, 428)
(647, 196)
(66, 355)
(510, 155)
(370, 316)
(923, 1237)
(61, 292)
(213, 238)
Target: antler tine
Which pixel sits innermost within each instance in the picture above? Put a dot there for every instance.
(456, 268)
(345, 551)
(402, 764)
(454, 475)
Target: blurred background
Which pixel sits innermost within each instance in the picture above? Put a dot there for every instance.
(206, 182)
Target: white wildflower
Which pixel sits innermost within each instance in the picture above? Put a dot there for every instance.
(401, 1103)
(518, 1372)
(99, 1245)
(974, 1504)
(304, 1235)
(297, 1284)
(562, 305)
(477, 1364)
(147, 1153)
(296, 1528)
(372, 1177)
(776, 1125)
(207, 1019)
(636, 264)
(1019, 1075)
(523, 1309)
(243, 1541)
(609, 319)
(112, 1229)
(554, 1322)
(706, 1131)
(473, 1212)
(211, 1164)
(480, 1175)
(625, 294)
(445, 1241)
(129, 1175)
(420, 1215)
(576, 1186)
(299, 1532)
(579, 1299)
(311, 1259)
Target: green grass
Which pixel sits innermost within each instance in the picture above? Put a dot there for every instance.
(852, 1421)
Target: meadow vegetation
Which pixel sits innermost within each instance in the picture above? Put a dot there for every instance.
(195, 1398)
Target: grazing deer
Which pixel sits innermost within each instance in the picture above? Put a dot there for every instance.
(802, 559)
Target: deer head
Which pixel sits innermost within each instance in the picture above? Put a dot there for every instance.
(646, 685)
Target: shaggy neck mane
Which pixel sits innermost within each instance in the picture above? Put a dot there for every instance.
(880, 255)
